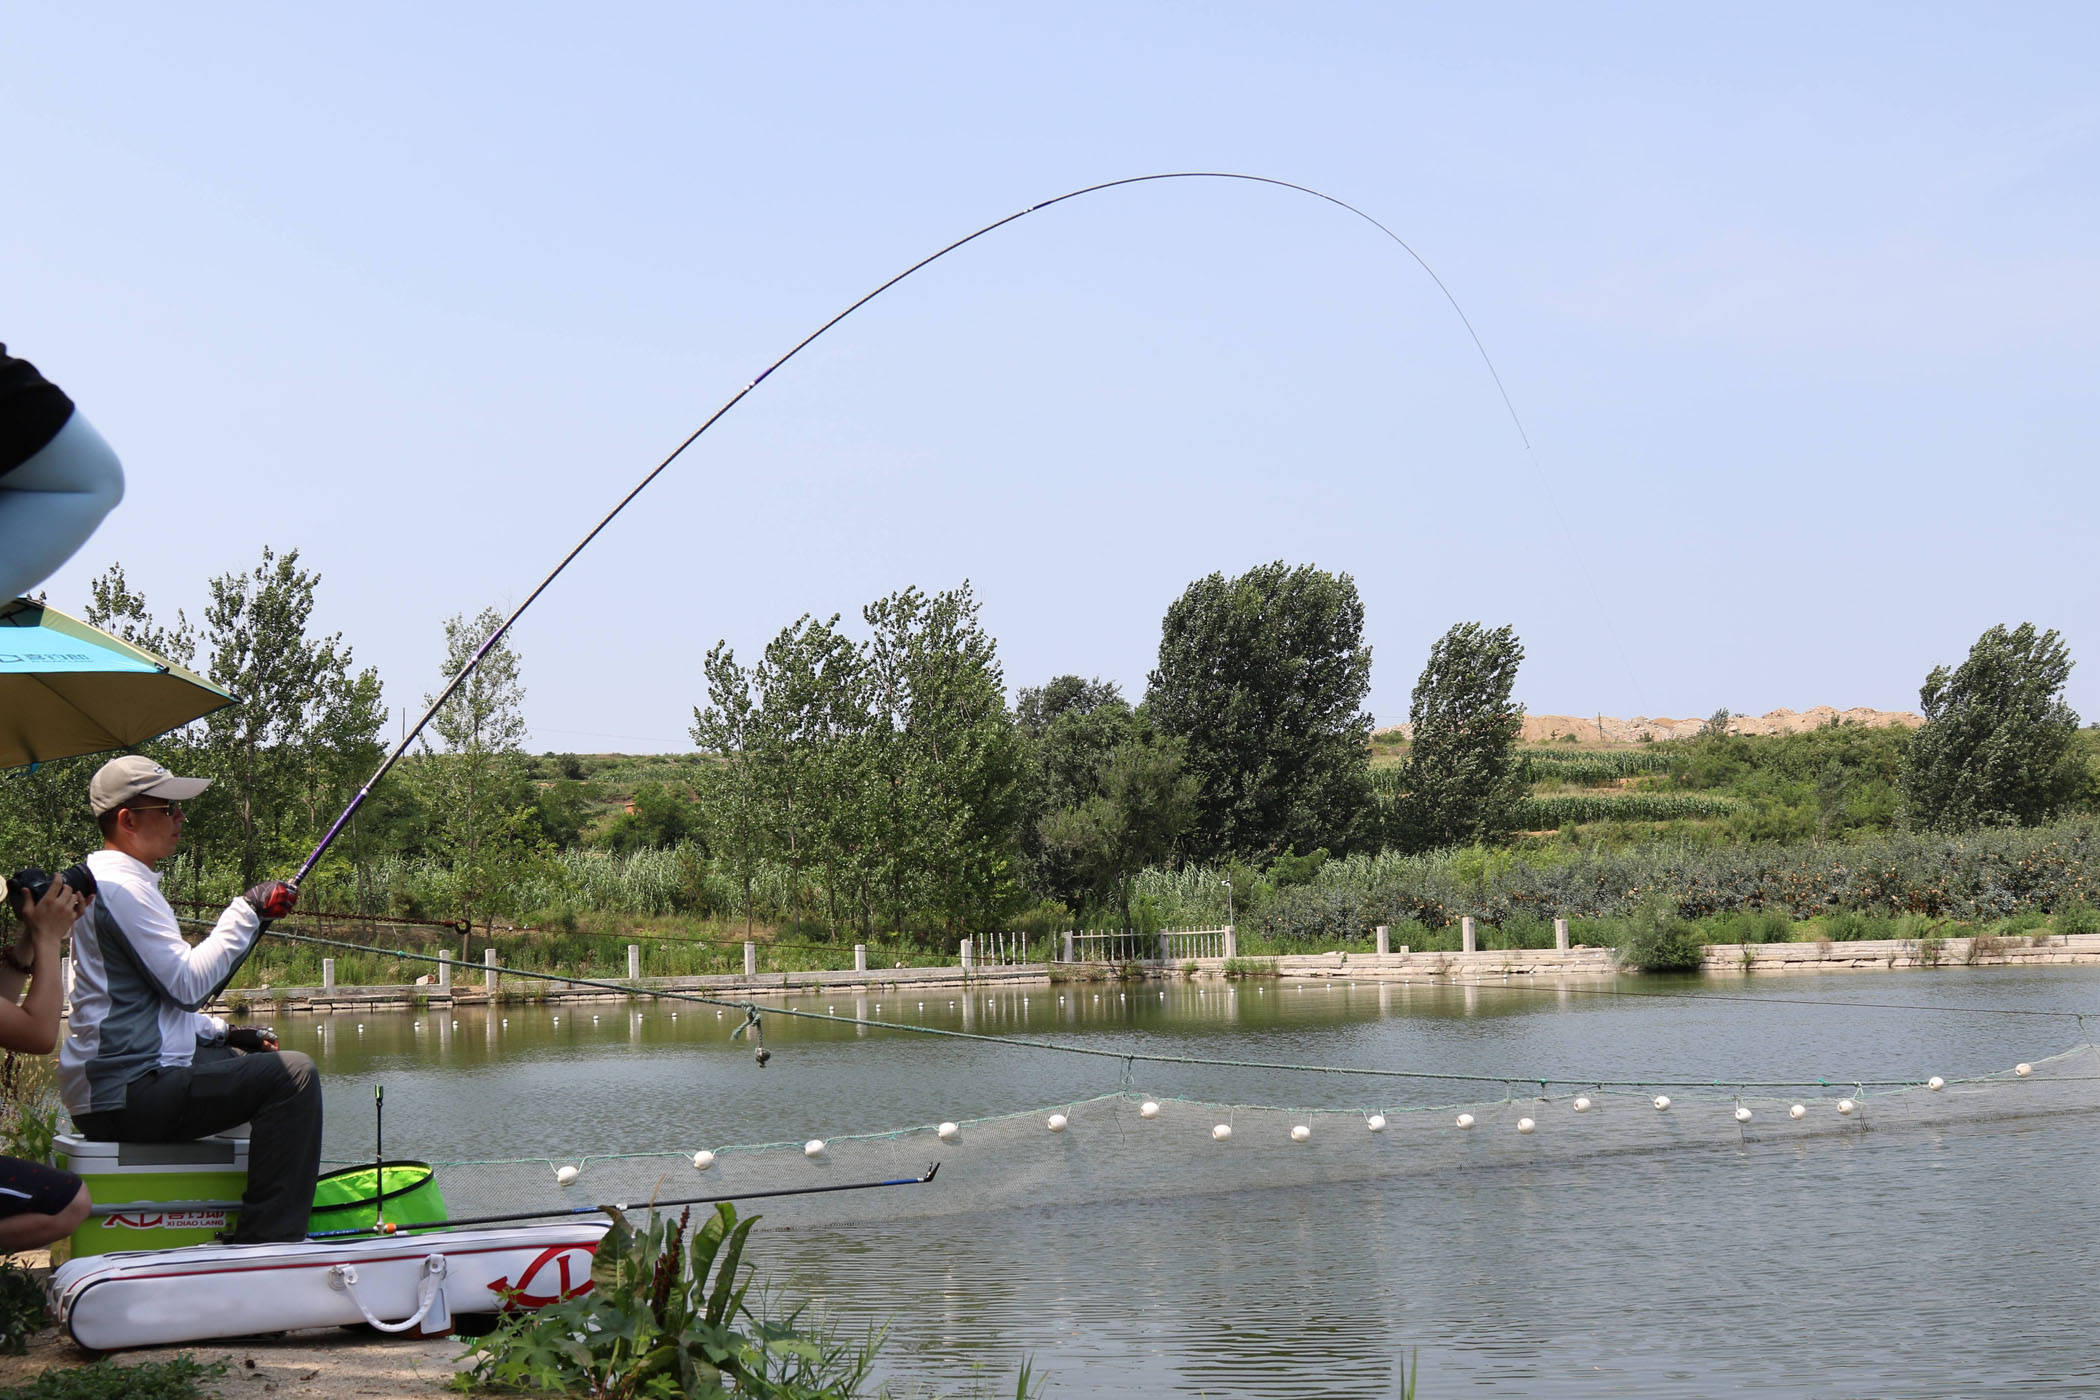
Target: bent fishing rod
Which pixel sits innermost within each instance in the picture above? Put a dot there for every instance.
(561, 1212)
(496, 636)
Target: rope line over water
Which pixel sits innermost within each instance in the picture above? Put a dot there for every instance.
(755, 1011)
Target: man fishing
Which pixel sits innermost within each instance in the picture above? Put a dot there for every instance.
(141, 1063)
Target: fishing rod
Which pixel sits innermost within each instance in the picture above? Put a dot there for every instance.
(382, 1228)
(459, 1222)
(410, 736)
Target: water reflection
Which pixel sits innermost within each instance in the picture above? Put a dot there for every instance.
(1899, 1264)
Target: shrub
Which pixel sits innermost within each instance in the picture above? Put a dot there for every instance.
(665, 1317)
(2074, 915)
(1658, 939)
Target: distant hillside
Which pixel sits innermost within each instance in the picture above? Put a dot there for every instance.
(1604, 729)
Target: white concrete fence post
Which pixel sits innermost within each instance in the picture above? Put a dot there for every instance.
(328, 974)
(750, 959)
(1232, 941)
(634, 962)
(1468, 942)
(1560, 934)
(445, 973)
(1385, 941)
(860, 957)
(1068, 946)
(966, 954)
(488, 966)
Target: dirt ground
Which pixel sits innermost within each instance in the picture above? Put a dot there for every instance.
(331, 1364)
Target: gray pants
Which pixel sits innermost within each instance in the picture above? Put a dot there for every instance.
(277, 1091)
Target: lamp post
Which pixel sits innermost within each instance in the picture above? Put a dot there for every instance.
(1228, 899)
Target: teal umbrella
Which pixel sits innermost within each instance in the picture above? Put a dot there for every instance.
(67, 688)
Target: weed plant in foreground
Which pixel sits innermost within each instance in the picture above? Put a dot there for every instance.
(671, 1316)
(181, 1378)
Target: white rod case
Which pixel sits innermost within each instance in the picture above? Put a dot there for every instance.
(401, 1283)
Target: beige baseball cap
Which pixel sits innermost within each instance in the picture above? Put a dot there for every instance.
(122, 780)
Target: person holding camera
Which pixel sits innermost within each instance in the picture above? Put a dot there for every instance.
(39, 1205)
(141, 1063)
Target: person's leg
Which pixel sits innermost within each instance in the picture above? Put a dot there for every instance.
(279, 1092)
(39, 1205)
(51, 503)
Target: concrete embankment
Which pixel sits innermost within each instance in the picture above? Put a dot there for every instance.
(1738, 958)
(1722, 959)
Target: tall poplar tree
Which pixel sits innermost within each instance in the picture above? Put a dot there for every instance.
(1263, 678)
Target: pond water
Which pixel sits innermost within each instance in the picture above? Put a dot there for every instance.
(1904, 1263)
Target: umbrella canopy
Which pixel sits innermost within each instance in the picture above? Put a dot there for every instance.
(67, 688)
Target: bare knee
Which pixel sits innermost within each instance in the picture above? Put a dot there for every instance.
(74, 1215)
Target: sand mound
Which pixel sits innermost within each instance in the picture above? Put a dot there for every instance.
(1604, 729)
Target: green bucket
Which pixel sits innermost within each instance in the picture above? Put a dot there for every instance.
(352, 1198)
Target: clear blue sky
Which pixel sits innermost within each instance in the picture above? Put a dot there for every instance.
(1800, 304)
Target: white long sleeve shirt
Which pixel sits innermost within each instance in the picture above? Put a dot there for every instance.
(137, 984)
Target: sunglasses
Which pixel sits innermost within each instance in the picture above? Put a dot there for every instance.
(173, 809)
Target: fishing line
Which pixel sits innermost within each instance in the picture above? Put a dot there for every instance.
(753, 1011)
(409, 736)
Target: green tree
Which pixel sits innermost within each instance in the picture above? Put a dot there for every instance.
(1143, 801)
(286, 758)
(1463, 782)
(1073, 726)
(475, 786)
(659, 816)
(1263, 677)
(730, 794)
(1998, 746)
(946, 764)
(811, 718)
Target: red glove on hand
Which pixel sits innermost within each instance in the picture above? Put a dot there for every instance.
(273, 899)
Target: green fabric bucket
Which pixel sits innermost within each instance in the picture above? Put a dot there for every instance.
(352, 1198)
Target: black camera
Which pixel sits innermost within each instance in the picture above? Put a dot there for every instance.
(35, 883)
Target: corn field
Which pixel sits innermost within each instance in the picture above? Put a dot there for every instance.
(1567, 809)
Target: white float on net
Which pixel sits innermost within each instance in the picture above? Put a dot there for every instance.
(702, 1160)
(1057, 1123)
(1376, 1122)
(1525, 1125)
(1301, 1133)
(2023, 1070)
(1935, 1084)
(813, 1148)
(1582, 1103)
(563, 1176)
(948, 1132)
(1148, 1109)
(1742, 1115)
(1845, 1106)
(1662, 1103)
(1222, 1132)
(1798, 1111)
(1464, 1120)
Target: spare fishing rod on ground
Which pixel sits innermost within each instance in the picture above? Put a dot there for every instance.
(415, 731)
(513, 1217)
